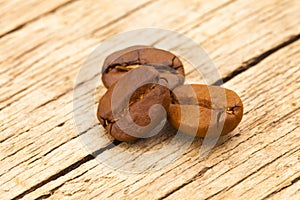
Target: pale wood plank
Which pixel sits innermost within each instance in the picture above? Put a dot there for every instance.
(11, 99)
(276, 175)
(54, 90)
(41, 83)
(287, 101)
(253, 147)
(32, 76)
(17, 13)
(28, 147)
(291, 192)
(234, 33)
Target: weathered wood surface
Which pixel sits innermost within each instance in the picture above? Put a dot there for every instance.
(254, 45)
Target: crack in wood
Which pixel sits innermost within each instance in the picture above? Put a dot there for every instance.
(161, 175)
(28, 129)
(254, 61)
(45, 84)
(244, 67)
(47, 102)
(106, 25)
(195, 177)
(93, 197)
(251, 63)
(27, 87)
(61, 124)
(9, 82)
(286, 116)
(52, 191)
(38, 59)
(146, 168)
(265, 165)
(70, 168)
(130, 12)
(36, 108)
(227, 188)
(283, 188)
(36, 18)
(3, 140)
(45, 196)
(51, 128)
(235, 152)
(215, 194)
(54, 99)
(17, 166)
(12, 154)
(256, 152)
(67, 170)
(208, 16)
(205, 16)
(48, 151)
(70, 140)
(250, 136)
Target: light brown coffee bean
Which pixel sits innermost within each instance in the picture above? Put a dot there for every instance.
(127, 103)
(199, 109)
(120, 62)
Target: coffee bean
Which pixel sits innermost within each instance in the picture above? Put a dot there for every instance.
(199, 109)
(119, 63)
(128, 110)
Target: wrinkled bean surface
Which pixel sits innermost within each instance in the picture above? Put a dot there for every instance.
(197, 109)
(125, 99)
(119, 63)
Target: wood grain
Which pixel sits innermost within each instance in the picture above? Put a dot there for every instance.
(41, 53)
(11, 20)
(261, 151)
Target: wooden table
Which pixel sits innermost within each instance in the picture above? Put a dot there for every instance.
(255, 46)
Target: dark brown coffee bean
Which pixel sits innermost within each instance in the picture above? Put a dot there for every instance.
(120, 62)
(197, 109)
(129, 101)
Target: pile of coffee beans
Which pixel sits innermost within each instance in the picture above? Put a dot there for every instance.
(146, 86)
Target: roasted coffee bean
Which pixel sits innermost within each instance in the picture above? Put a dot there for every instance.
(197, 109)
(133, 101)
(119, 63)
